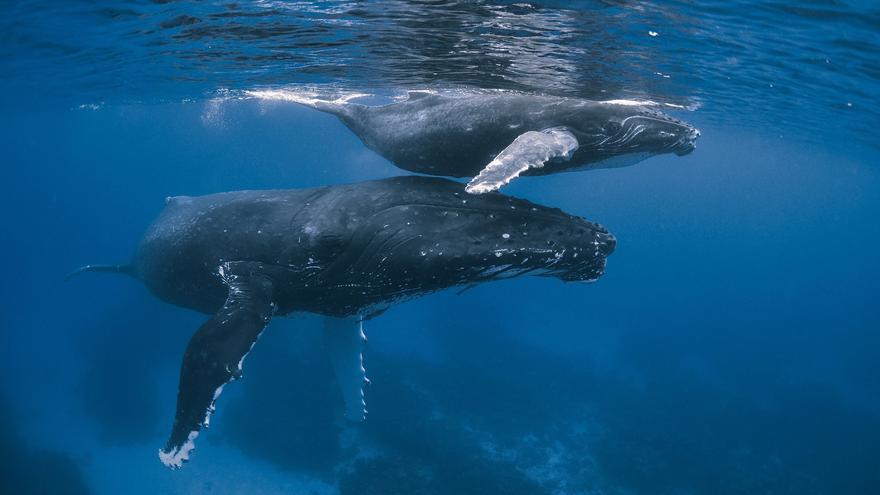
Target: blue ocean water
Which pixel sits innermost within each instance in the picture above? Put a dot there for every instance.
(732, 346)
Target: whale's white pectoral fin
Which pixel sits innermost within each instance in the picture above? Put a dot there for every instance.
(529, 150)
(345, 338)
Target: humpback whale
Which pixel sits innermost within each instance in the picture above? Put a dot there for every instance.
(346, 252)
(497, 136)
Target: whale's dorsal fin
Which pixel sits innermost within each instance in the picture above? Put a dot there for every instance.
(344, 338)
(529, 150)
(216, 352)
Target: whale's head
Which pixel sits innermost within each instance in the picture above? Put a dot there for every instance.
(507, 237)
(620, 128)
(441, 236)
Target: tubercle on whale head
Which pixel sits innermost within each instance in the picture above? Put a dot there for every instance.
(567, 248)
(584, 261)
(490, 237)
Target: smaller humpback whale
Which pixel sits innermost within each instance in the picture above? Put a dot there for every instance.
(497, 136)
(345, 252)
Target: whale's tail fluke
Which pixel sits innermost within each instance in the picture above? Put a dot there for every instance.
(123, 269)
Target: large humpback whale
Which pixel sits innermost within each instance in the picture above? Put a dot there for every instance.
(497, 136)
(346, 252)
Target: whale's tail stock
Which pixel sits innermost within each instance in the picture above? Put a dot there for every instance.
(337, 104)
(123, 269)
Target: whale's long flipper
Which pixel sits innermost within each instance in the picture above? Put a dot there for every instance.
(216, 352)
(345, 338)
(529, 150)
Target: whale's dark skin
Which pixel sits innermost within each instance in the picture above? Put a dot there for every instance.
(459, 135)
(337, 251)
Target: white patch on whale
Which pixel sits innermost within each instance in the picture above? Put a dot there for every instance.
(631, 103)
(649, 103)
(179, 455)
(302, 96)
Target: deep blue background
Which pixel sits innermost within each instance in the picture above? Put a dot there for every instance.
(732, 347)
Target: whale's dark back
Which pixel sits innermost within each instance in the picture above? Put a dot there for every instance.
(451, 136)
(338, 250)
